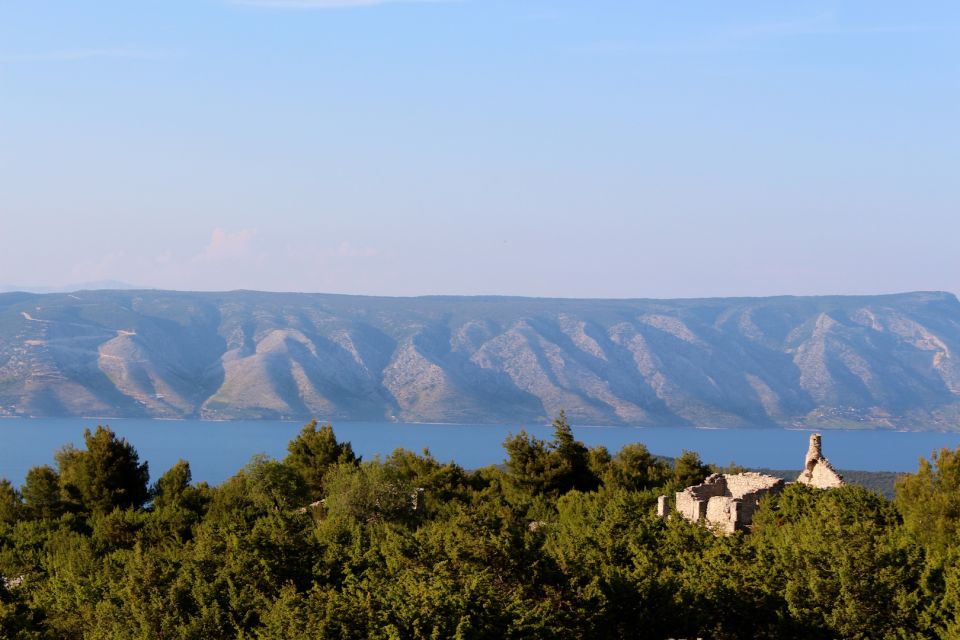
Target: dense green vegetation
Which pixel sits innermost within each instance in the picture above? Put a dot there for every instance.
(560, 543)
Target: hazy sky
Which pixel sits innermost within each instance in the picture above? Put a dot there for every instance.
(587, 148)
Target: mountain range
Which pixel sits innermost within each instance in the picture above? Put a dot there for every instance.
(887, 361)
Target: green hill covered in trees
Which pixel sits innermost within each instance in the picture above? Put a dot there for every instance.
(560, 543)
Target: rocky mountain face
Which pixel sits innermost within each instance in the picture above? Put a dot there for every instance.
(878, 361)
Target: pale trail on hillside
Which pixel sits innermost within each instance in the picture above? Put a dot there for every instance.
(886, 361)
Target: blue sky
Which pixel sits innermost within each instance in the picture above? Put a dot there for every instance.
(549, 148)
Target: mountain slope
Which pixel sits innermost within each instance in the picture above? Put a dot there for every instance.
(881, 361)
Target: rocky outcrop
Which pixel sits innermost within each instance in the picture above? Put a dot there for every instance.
(822, 362)
(817, 470)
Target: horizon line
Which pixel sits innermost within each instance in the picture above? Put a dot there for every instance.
(134, 289)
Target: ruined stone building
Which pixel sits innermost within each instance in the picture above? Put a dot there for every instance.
(727, 502)
(817, 470)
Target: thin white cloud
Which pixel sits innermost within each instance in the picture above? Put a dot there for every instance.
(71, 55)
(348, 250)
(737, 36)
(329, 4)
(821, 26)
(227, 245)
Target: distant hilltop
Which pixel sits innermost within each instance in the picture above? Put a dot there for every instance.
(824, 362)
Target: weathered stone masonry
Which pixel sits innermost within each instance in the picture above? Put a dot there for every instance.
(817, 470)
(727, 502)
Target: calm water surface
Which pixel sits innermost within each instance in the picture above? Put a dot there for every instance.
(216, 450)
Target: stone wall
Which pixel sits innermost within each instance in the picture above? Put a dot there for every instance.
(742, 484)
(691, 503)
(723, 513)
(726, 502)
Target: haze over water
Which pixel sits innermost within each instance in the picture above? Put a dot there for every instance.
(217, 450)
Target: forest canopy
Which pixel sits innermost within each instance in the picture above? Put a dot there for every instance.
(560, 542)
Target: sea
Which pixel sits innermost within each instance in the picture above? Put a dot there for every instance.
(217, 450)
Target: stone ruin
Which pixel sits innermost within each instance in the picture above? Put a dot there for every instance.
(727, 502)
(817, 470)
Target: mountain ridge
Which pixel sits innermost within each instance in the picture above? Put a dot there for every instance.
(812, 361)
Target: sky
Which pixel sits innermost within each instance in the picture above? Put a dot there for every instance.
(587, 148)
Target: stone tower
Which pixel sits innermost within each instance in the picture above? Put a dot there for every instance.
(817, 470)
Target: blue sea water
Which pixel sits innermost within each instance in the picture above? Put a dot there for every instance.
(217, 450)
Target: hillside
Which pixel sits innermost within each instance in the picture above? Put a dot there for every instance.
(882, 482)
(858, 361)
